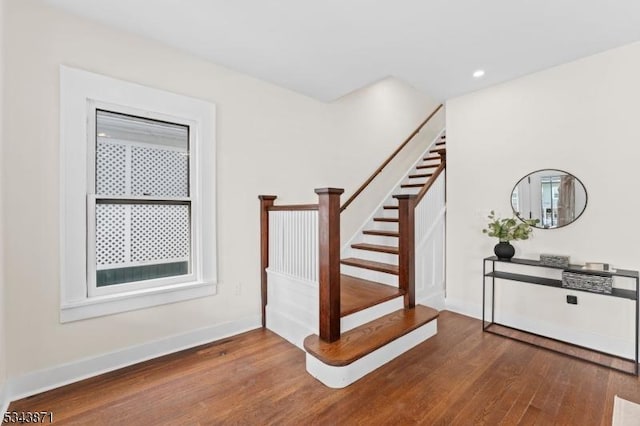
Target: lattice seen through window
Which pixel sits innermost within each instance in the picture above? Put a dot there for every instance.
(143, 205)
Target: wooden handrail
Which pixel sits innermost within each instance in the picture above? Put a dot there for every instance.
(388, 160)
(293, 207)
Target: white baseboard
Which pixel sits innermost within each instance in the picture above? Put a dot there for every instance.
(50, 378)
(340, 377)
(463, 307)
(435, 301)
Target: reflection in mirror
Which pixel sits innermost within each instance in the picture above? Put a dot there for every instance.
(555, 197)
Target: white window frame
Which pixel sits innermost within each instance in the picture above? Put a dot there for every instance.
(81, 93)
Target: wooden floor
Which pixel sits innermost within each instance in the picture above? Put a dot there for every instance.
(461, 376)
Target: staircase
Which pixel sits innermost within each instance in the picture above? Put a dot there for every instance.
(370, 276)
(379, 249)
(367, 311)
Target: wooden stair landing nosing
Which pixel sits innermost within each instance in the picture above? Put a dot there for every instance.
(376, 247)
(371, 264)
(385, 219)
(365, 339)
(420, 175)
(390, 207)
(381, 233)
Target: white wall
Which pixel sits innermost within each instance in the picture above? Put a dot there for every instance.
(270, 141)
(581, 117)
(393, 103)
(3, 348)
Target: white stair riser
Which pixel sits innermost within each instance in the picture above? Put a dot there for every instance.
(432, 167)
(408, 191)
(393, 213)
(376, 239)
(375, 256)
(367, 315)
(368, 274)
(384, 226)
(340, 377)
(421, 180)
(434, 163)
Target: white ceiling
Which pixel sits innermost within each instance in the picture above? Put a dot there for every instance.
(328, 48)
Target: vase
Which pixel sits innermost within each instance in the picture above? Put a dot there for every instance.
(504, 250)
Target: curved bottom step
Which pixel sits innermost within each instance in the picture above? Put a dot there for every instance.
(368, 347)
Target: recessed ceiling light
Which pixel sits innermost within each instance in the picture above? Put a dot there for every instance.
(102, 134)
(478, 73)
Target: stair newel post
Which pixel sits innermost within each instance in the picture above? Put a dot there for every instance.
(266, 201)
(329, 262)
(406, 246)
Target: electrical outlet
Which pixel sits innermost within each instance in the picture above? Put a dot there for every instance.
(572, 300)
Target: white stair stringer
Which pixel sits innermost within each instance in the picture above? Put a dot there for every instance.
(342, 376)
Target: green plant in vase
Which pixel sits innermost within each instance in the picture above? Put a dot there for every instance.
(507, 230)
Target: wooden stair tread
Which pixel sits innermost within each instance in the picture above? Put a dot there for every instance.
(376, 247)
(431, 157)
(427, 166)
(420, 175)
(412, 185)
(363, 340)
(390, 207)
(381, 233)
(357, 294)
(439, 150)
(385, 219)
(371, 264)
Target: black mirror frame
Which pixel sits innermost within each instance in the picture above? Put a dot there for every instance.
(586, 198)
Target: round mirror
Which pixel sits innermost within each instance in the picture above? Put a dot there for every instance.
(554, 197)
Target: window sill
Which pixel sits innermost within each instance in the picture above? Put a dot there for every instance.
(139, 299)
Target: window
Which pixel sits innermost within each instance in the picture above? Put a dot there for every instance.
(138, 216)
(549, 186)
(139, 212)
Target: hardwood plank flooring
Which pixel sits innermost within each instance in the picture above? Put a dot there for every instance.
(461, 376)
